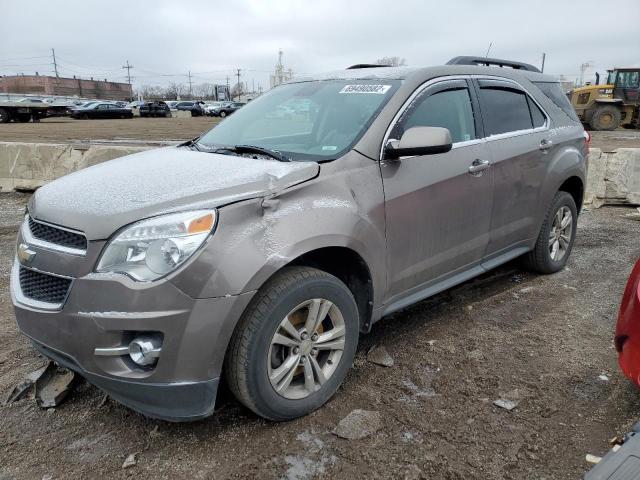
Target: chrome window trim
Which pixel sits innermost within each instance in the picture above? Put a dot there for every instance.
(19, 297)
(36, 242)
(490, 138)
(408, 102)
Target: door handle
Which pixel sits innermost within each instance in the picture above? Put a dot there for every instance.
(545, 144)
(478, 166)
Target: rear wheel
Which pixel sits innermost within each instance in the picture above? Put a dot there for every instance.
(4, 116)
(606, 117)
(85, 117)
(294, 344)
(223, 114)
(556, 237)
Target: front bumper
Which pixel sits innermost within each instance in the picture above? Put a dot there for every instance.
(106, 311)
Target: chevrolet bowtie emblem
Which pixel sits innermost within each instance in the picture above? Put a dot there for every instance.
(25, 254)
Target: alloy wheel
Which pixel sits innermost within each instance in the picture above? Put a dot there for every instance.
(306, 348)
(560, 234)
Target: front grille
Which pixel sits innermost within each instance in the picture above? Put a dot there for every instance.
(42, 287)
(57, 236)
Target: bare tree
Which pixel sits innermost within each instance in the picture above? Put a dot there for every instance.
(392, 61)
(151, 92)
(237, 90)
(174, 90)
(204, 91)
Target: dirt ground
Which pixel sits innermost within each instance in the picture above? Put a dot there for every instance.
(549, 337)
(141, 130)
(134, 130)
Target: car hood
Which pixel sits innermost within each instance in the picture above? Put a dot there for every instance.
(101, 199)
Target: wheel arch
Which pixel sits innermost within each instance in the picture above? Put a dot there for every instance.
(575, 187)
(348, 266)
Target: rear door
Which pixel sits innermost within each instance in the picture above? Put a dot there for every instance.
(517, 134)
(438, 212)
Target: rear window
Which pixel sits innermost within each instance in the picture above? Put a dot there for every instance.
(554, 92)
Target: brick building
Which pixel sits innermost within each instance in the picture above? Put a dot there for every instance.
(69, 87)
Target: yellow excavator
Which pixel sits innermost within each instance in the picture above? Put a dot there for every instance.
(612, 105)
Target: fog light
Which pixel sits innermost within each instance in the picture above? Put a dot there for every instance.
(145, 349)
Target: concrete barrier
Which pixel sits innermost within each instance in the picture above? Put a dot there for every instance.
(614, 177)
(27, 166)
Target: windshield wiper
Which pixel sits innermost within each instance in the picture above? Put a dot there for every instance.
(255, 149)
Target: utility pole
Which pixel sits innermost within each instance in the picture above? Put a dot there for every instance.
(128, 68)
(227, 92)
(55, 64)
(190, 84)
(544, 55)
(239, 86)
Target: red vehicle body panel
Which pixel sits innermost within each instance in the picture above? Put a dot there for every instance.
(627, 340)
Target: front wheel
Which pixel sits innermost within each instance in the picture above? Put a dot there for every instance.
(223, 114)
(294, 344)
(556, 237)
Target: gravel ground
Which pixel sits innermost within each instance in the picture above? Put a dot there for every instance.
(139, 130)
(544, 340)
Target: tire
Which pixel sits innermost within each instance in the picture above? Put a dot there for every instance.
(85, 117)
(22, 118)
(223, 114)
(606, 117)
(541, 259)
(253, 358)
(4, 116)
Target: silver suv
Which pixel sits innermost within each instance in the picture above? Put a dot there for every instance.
(260, 251)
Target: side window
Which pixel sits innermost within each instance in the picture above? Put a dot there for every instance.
(504, 110)
(449, 109)
(537, 116)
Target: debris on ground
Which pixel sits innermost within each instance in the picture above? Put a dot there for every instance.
(103, 400)
(509, 401)
(53, 386)
(592, 458)
(25, 385)
(604, 377)
(380, 356)
(130, 461)
(358, 424)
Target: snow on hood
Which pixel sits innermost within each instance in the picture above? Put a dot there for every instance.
(101, 199)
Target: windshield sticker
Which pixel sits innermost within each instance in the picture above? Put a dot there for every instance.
(329, 148)
(376, 89)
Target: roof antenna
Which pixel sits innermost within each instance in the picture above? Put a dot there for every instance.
(488, 50)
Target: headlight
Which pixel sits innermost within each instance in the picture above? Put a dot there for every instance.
(152, 248)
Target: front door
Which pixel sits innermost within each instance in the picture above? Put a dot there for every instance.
(438, 212)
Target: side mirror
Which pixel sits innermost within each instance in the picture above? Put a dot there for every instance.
(420, 141)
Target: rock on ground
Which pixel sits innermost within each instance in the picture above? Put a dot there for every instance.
(358, 424)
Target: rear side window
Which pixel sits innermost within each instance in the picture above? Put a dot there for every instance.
(537, 116)
(504, 110)
(554, 92)
(449, 109)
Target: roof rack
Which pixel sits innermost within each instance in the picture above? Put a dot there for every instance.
(468, 60)
(366, 65)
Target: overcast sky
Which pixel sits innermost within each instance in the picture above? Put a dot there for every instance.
(164, 39)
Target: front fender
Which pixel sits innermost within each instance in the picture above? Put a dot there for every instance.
(343, 207)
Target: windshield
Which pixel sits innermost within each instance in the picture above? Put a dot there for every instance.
(611, 79)
(305, 121)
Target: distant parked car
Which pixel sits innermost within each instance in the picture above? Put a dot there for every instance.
(172, 104)
(211, 106)
(155, 109)
(227, 109)
(183, 106)
(31, 100)
(197, 110)
(102, 110)
(627, 339)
